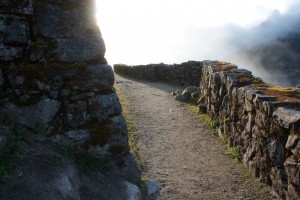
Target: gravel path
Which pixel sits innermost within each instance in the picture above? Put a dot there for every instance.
(178, 150)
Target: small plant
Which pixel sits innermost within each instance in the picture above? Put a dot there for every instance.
(209, 122)
(132, 130)
(224, 138)
(86, 161)
(234, 153)
(257, 80)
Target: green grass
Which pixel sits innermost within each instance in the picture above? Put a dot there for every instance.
(224, 139)
(132, 130)
(234, 153)
(257, 80)
(204, 117)
(86, 161)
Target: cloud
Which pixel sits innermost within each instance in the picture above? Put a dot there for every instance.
(270, 49)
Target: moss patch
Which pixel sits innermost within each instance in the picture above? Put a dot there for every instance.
(223, 66)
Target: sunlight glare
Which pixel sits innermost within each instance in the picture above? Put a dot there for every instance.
(144, 31)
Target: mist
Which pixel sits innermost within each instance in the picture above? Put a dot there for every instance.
(262, 38)
(271, 49)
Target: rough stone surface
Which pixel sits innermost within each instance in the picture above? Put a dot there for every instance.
(8, 53)
(17, 6)
(39, 114)
(133, 192)
(287, 117)
(80, 49)
(14, 30)
(263, 130)
(152, 188)
(1, 78)
(55, 82)
(185, 74)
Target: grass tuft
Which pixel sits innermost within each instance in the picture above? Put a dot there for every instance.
(204, 117)
(234, 153)
(132, 130)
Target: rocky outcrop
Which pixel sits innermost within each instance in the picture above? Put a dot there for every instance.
(56, 84)
(187, 73)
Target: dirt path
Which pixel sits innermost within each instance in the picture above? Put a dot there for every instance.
(178, 151)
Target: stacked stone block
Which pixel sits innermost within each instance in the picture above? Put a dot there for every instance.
(184, 74)
(54, 77)
(264, 129)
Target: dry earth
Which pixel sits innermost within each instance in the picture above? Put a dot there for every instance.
(178, 150)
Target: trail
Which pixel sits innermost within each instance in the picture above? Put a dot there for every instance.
(178, 150)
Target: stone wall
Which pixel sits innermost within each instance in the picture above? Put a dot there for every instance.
(185, 73)
(259, 121)
(54, 78)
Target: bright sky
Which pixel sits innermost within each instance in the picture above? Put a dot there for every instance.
(154, 31)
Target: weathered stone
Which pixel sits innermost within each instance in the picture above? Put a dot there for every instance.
(276, 151)
(249, 154)
(103, 106)
(94, 78)
(14, 30)
(40, 170)
(82, 96)
(243, 71)
(4, 133)
(78, 19)
(132, 192)
(152, 188)
(184, 96)
(287, 117)
(78, 136)
(20, 80)
(259, 99)
(80, 49)
(253, 168)
(10, 53)
(39, 114)
(268, 108)
(184, 74)
(293, 192)
(17, 6)
(293, 143)
(77, 113)
(1, 78)
(279, 181)
(293, 171)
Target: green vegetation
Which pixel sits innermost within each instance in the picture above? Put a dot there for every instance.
(132, 130)
(204, 117)
(10, 151)
(224, 139)
(234, 153)
(257, 80)
(86, 161)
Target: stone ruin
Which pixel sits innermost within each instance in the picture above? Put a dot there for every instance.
(259, 121)
(57, 88)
